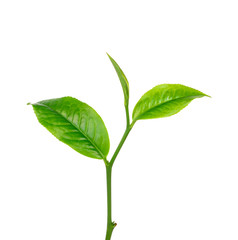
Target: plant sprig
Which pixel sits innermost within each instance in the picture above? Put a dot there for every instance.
(79, 126)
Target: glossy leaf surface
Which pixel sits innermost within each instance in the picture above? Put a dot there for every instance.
(76, 124)
(123, 80)
(164, 100)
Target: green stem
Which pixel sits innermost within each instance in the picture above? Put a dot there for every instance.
(127, 131)
(111, 225)
(127, 116)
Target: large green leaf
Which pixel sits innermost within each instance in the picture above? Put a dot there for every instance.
(164, 100)
(123, 80)
(76, 124)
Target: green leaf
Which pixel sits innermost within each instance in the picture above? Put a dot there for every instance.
(75, 124)
(123, 80)
(164, 100)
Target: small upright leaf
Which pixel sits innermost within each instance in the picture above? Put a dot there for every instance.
(76, 124)
(164, 100)
(123, 80)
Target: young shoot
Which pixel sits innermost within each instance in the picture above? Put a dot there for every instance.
(79, 126)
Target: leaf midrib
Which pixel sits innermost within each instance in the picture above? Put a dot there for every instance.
(94, 145)
(193, 96)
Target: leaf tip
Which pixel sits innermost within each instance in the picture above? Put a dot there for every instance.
(205, 95)
(108, 55)
(28, 103)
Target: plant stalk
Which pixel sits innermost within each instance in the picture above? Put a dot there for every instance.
(127, 131)
(127, 116)
(111, 225)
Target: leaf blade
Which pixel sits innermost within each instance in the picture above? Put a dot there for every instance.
(123, 80)
(164, 100)
(76, 124)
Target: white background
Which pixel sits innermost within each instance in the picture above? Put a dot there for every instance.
(175, 178)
